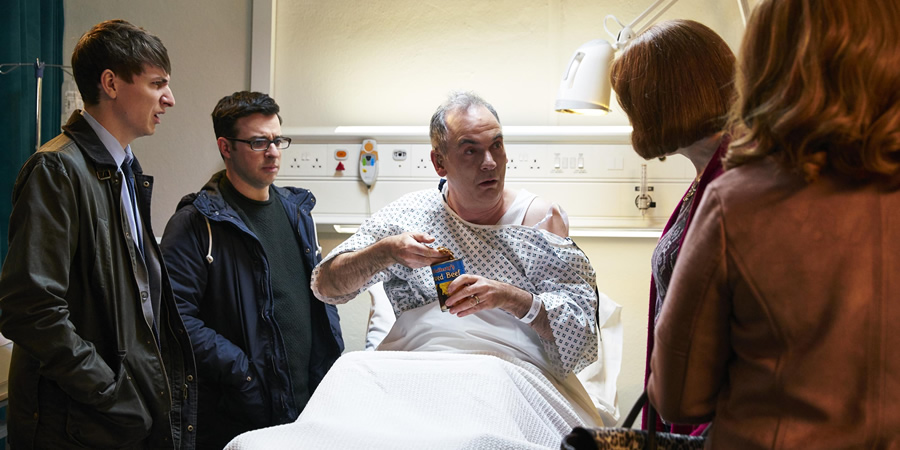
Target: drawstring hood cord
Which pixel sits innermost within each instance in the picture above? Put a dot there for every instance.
(209, 257)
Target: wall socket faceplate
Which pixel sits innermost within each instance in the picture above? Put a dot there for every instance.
(594, 183)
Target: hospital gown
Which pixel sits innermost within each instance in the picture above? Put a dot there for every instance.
(552, 268)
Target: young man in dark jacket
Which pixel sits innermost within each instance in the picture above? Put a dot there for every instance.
(101, 357)
(241, 252)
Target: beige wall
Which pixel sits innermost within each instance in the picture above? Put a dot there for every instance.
(348, 62)
(623, 273)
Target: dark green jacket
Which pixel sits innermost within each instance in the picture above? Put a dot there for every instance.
(86, 371)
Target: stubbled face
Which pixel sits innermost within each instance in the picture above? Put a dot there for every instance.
(475, 159)
(254, 169)
(141, 103)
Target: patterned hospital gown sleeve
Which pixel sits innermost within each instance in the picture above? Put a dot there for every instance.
(552, 268)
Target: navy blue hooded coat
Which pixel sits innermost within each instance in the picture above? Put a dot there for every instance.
(220, 277)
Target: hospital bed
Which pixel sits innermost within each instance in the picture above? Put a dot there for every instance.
(442, 382)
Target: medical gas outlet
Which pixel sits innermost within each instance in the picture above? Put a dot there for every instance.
(644, 201)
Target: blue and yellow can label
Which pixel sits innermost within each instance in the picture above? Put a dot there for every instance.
(444, 273)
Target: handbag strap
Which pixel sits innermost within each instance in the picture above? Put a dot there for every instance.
(635, 410)
(651, 428)
(651, 416)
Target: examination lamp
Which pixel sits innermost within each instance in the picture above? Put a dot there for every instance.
(586, 87)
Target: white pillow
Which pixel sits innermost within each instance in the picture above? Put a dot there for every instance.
(381, 317)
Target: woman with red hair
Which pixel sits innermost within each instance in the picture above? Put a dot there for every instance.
(778, 323)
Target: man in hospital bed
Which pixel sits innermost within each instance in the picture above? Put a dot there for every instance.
(498, 369)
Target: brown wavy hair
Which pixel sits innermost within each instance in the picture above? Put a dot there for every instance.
(819, 89)
(675, 81)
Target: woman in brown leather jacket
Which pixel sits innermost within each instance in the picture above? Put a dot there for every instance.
(778, 325)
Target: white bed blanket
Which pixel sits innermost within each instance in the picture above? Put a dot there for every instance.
(425, 400)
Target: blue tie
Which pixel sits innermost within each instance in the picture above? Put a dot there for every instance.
(129, 177)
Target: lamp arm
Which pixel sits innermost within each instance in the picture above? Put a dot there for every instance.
(605, 27)
(623, 37)
(656, 16)
(744, 7)
(646, 12)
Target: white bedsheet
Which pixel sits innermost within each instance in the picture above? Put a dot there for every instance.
(425, 400)
(429, 333)
(439, 381)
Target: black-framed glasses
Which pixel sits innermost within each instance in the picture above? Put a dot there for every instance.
(261, 144)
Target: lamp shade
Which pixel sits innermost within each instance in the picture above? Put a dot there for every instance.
(585, 87)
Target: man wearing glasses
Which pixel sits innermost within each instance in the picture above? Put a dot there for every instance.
(240, 253)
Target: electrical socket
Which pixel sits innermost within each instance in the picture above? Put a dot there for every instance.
(527, 160)
(420, 161)
(303, 160)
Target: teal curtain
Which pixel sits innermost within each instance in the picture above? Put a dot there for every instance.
(29, 30)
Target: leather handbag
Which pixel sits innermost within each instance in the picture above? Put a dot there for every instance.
(625, 437)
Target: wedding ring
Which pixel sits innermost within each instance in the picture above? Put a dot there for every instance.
(476, 300)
